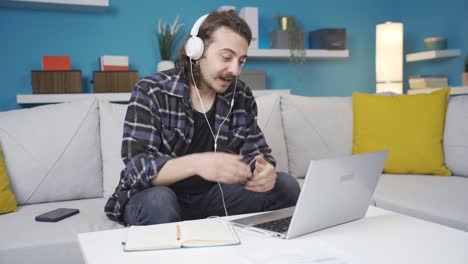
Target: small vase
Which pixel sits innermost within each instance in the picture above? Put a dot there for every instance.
(165, 65)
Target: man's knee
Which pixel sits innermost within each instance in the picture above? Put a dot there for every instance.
(287, 188)
(154, 205)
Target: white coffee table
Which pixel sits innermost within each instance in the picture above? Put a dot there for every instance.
(381, 237)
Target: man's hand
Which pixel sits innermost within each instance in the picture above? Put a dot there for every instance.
(222, 167)
(264, 177)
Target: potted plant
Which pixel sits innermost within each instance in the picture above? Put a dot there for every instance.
(167, 35)
(290, 36)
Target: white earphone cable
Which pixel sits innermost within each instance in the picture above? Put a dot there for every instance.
(203, 106)
(215, 137)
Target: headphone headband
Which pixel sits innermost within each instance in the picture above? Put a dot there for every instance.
(196, 26)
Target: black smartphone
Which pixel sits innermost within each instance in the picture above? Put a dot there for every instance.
(57, 215)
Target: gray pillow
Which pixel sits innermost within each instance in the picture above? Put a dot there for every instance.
(456, 135)
(316, 128)
(52, 152)
(271, 123)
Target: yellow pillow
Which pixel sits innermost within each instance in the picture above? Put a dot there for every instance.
(411, 127)
(7, 199)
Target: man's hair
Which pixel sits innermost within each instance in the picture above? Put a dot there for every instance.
(213, 21)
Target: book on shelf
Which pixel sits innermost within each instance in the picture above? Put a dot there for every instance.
(114, 63)
(422, 90)
(196, 233)
(56, 63)
(427, 81)
(453, 90)
(250, 15)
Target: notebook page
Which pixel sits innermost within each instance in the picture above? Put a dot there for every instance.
(152, 237)
(207, 233)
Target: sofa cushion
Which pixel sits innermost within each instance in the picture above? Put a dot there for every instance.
(50, 242)
(7, 199)
(316, 128)
(271, 123)
(456, 135)
(52, 152)
(112, 118)
(433, 198)
(411, 127)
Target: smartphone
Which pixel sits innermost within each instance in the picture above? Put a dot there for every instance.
(57, 215)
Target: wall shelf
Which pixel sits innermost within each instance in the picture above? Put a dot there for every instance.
(286, 54)
(111, 97)
(453, 90)
(60, 98)
(433, 54)
(57, 4)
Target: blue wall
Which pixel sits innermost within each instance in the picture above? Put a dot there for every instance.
(129, 28)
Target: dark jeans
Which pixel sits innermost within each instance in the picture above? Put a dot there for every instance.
(161, 204)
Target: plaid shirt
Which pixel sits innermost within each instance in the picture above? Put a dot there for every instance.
(159, 126)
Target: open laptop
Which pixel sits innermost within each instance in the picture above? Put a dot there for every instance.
(335, 191)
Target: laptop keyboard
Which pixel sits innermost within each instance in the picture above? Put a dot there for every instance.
(280, 225)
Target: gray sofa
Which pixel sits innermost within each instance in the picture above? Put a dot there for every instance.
(68, 155)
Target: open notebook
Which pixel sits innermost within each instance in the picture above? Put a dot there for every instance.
(197, 233)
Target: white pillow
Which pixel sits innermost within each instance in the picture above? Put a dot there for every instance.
(456, 135)
(112, 119)
(316, 128)
(270, 122)
(52, 152)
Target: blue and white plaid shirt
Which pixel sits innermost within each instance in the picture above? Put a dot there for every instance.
(159, 126)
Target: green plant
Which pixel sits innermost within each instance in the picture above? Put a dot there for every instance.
(168, 35)
(295, 35)
(466, 63)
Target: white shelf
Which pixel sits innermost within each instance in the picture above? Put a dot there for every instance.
(55, 3)
(111, 97)
(286, 53)
(433, 54)
(60, 98)
(453, 90)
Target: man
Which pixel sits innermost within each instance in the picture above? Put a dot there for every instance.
(190, 134)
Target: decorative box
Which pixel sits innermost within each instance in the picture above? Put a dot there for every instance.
(52, 82)
(255, 79)
(114, 81)
(328, 39)
(435, 43)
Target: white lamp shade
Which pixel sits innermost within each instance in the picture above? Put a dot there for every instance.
(389, 57)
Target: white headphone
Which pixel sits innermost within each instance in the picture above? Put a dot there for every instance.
(194, 46)
(194, 49)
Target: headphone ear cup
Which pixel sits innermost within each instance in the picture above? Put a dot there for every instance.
(194, 48)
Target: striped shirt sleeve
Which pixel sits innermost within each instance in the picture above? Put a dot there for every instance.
(255, 143)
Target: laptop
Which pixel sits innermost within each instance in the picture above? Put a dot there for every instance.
(335, 191)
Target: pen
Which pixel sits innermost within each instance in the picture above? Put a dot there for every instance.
(178, 231)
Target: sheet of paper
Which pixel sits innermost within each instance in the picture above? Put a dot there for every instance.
(207, 230)
(260, 248)
(152, 237)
